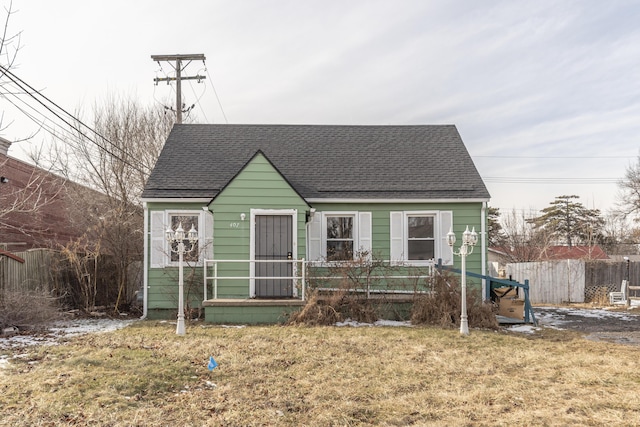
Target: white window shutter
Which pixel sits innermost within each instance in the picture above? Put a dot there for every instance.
(157, 256)
(364, 233)
(208, 235)
(397, 236)
(314, 238)
(446, 223)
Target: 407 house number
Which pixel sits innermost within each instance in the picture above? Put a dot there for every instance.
(234, 225)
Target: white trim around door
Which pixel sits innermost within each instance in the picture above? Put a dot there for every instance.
(252, 240)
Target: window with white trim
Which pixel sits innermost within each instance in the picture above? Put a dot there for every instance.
(419, 237)
(338, 236)
(160, 251)
(186, 221)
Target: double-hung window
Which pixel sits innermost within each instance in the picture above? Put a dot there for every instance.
(186, 221)
(340, 237)
(162, 253)
(420, 237)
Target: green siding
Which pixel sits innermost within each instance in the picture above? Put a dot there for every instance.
(163, 282)
(258, 186)
(163, 289)
(248, 314)
(463, 214)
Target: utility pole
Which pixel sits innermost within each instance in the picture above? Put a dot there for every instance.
(178, 78)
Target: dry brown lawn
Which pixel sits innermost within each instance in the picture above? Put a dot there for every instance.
(322, 376)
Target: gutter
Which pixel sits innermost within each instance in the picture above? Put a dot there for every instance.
(483, 254)
(145, 261)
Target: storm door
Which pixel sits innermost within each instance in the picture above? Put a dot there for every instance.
(273, 247)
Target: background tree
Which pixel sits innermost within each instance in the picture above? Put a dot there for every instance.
(628, 203)
(21, 197)
(116, 159)
(521, 241)
(496, 234)
(619, 237)
(9, 47)
(570, 222)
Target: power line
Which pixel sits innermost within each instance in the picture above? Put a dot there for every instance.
(555, 157)
(552, 180)
(217, 98)
(30, 91)
(198, 98)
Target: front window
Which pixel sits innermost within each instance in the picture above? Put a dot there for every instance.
(339, 238)
(187, 221)
(421, 241)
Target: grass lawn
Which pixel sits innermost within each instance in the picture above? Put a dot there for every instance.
(145, 375)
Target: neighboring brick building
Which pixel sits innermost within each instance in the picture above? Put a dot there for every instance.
(36, 209)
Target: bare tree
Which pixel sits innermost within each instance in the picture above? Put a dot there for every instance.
(25, 194)
(24, 190)
(629, 195)
(619, 236)
(9, 47)
(116, 160)
(521, 241)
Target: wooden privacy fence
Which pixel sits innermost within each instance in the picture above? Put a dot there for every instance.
(45, 270)
(32, 275)
(557, 282)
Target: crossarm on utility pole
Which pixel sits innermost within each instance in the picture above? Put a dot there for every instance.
(178, 78)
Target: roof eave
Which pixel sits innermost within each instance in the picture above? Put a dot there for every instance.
(370, 200)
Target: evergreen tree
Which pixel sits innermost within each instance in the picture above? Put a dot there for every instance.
(569, 221)
(496, 234)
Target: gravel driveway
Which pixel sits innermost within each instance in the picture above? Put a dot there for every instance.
(597, 324)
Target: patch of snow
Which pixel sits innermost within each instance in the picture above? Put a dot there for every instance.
(595, 313)
(64, 329)
(395, 323)
(88, 326)
(352, 323)
(550, 319)
(355, 324)
(525, 329)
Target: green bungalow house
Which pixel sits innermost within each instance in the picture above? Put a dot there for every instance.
(268, 201)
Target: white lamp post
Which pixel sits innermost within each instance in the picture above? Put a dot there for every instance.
(469, 240)
(177, 238)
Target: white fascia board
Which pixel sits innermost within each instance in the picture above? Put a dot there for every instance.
(388, 201)
(177, 200)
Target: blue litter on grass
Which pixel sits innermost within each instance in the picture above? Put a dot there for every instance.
(212, 363)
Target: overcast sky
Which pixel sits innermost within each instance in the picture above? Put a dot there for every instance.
(545, 94)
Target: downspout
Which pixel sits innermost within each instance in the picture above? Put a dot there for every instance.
(145, 261)
(483, 243)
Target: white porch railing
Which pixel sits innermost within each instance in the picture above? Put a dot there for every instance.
(296, 263)
(300, 277)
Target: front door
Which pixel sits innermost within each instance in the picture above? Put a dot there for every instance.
(273, 247)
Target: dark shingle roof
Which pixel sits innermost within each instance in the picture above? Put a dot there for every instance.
(356, 162)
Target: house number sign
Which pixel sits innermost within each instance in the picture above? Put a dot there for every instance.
(234, 225)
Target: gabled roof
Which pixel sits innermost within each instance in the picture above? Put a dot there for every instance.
(321, 162)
